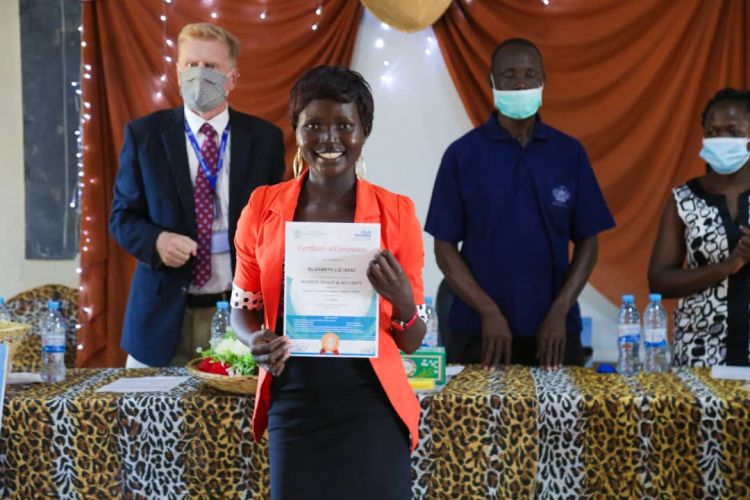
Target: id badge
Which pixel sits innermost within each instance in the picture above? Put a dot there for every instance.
(219, 242)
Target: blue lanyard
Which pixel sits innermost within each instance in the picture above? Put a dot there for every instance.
(212, 179)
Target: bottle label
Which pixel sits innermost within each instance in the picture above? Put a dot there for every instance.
(629, 334)
(53, 348)
(655, 337)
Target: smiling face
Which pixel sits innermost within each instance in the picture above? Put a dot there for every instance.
(330, 136)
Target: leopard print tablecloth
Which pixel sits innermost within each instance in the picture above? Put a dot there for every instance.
(516, 433)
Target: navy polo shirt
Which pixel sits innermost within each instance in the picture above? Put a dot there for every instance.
(515, 210)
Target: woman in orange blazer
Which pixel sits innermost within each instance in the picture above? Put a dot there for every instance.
(337, 427)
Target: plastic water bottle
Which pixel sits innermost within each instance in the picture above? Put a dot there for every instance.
(48, 315)
(220, 322)
(5, 315)
(655, 336)
(431, 335)
(628, 337)
(54, 330)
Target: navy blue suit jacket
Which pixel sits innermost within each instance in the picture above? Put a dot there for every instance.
(154, 193)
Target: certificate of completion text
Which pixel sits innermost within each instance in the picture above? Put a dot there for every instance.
(330, 307)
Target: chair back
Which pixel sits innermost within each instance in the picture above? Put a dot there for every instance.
(29, 307)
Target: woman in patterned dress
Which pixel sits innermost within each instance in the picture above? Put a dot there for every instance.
(707, 223)
(337, 428)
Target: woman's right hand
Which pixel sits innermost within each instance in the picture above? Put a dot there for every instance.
(740, 256)
(269, 350)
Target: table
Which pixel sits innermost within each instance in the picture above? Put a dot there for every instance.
(514, 433)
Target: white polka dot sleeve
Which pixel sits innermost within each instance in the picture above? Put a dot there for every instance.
(242, 299)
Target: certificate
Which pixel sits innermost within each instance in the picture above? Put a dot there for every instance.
(330, 307)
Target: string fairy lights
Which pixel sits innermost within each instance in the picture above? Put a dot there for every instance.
(389, 76)
(167, 48)
(158, 90)
(213, 12)
(85, 110)
(83, 89)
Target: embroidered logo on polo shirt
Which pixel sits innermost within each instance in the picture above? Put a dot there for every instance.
(560, 196)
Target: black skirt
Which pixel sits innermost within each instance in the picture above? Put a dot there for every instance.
(332, 433)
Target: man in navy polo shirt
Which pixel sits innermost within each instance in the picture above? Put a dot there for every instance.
(515, 192)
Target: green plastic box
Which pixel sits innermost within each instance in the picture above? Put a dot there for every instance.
(426, 362)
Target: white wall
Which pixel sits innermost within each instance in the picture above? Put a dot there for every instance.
(17, 273)
(418, 113)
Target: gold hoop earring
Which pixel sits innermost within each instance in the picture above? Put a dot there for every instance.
(298, 164)
(361, 173)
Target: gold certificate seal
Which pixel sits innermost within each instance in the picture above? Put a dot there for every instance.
(329, 343)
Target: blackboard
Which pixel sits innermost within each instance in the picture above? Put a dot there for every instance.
(50, 63)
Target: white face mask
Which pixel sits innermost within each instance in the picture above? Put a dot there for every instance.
(202, 89)
(725, 155)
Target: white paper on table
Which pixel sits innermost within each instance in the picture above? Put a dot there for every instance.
(453, 370)
(731, 372)
(143, 384)
(20, 378)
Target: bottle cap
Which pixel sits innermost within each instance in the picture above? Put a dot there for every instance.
(53, 305)
(605, 368)
(655, 297)
(2, 301)
(428, 300)
(222, 304)
(628, 298)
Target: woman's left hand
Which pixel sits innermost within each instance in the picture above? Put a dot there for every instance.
(389, 280)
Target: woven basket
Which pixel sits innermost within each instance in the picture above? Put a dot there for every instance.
(12, 334)
(239, 384)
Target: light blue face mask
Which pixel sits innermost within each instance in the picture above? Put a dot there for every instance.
(517, 104)
(725, 155)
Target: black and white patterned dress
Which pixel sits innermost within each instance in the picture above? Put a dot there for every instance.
(711, 326)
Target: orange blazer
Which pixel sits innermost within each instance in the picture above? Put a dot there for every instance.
(260, 257)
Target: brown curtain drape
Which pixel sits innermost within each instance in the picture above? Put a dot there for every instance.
(124, 55)
(627, 78)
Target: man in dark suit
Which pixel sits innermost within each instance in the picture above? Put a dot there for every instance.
(185, 175)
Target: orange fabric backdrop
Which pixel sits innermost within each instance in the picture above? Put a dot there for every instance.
(627, 78)
(124, 54)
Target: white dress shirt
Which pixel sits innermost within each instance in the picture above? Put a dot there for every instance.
(221, 264)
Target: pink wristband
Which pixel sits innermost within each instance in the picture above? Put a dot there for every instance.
(399, 325)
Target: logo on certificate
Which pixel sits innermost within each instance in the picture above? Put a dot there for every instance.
(329, 343)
